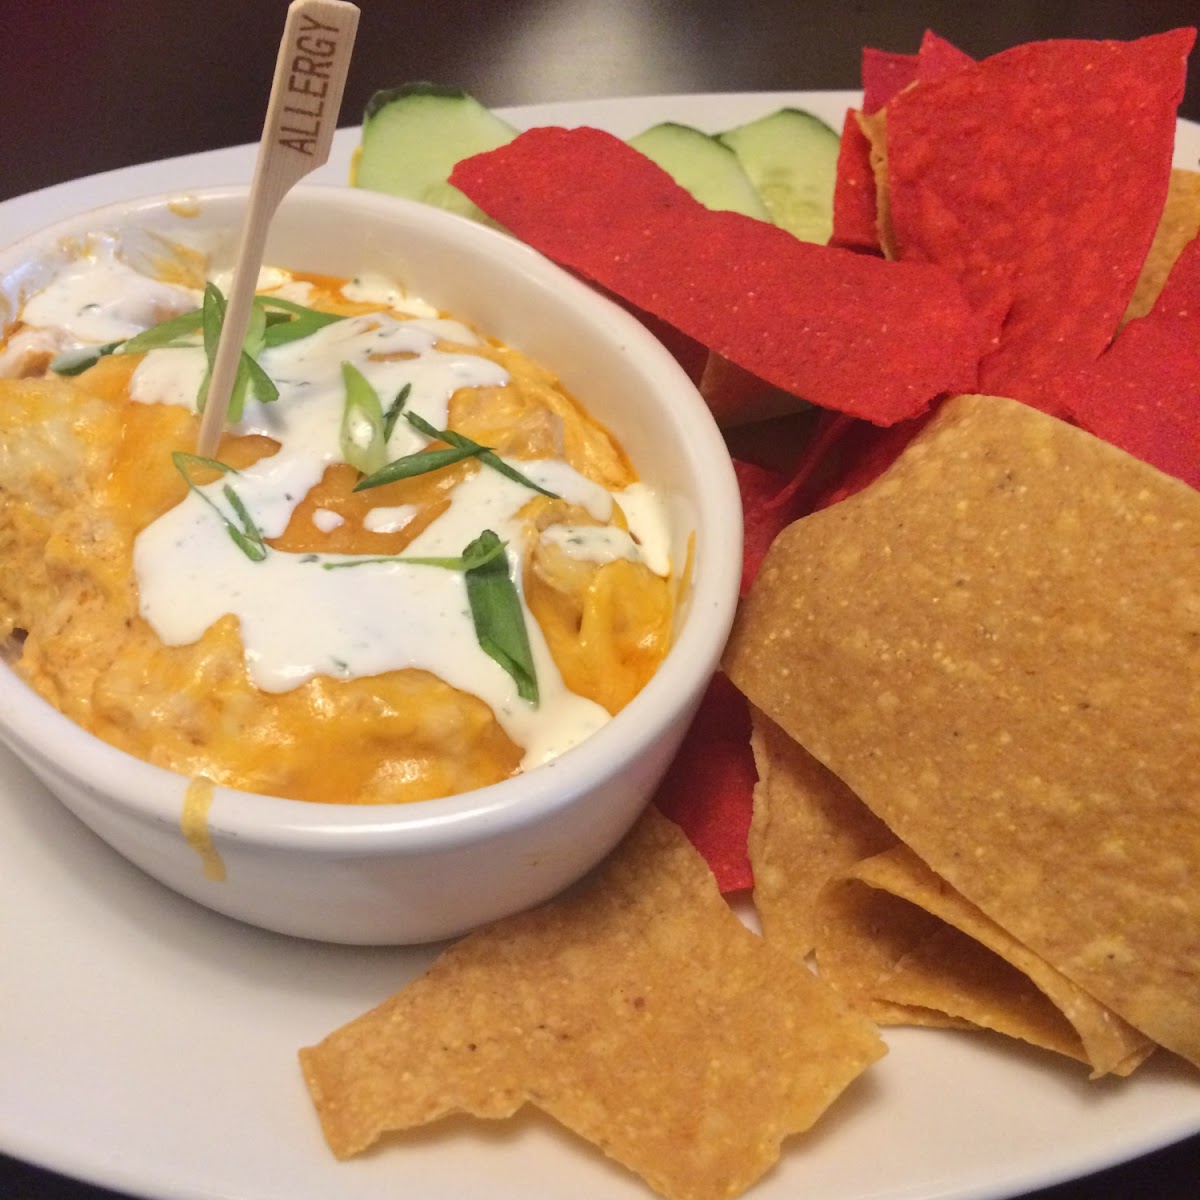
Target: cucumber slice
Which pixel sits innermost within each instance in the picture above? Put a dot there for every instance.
(413, 135)
(701, 164)
(791, 158)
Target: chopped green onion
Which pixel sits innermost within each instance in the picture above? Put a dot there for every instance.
(249, 374)
(499, 617)
(261, 383)
(273, 321)
(212, 317)
(256, 328)
(420, 463)
(364, 443)
(484, 453)
(475, 555)
(289, 322)
(247, 538)
(75, 362)
(394, 410)
(165, 334)
(424, 461)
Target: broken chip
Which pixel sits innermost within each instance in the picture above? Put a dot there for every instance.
(724, 1045)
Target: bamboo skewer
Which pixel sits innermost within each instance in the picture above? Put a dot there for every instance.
(306, 95)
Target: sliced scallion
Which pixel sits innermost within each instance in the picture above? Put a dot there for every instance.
(420, 463)
(288, 321)
(364, 443)
(499, 616)
(78, 360)
(250, 374)
(245, 535)
(165, 334)
(475, 555)
(394, 410)
(459, 447)
(485, 454)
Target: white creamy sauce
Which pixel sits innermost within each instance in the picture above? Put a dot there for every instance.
(378, 289)
(100, 298)
(270, 279)
(300, 615)
(388, 518)
(647, 518)
(593, 543)
(326, 520)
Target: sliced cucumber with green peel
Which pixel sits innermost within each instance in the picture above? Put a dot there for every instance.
(791, 158)
(413, 135)
(701, 164)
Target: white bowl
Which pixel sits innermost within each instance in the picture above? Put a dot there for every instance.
(418, 872)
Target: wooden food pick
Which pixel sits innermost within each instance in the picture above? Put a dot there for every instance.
(306, 95)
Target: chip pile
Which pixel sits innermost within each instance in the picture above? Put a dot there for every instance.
(996, 648)
(954, 749)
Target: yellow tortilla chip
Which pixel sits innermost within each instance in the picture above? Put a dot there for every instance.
(896, 934)
(637, 1010)
(806, 828)
(874, 128)
(997, 647)
(862, 933)
(1180, 222)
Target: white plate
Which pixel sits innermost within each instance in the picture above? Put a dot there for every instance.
(149, 1045)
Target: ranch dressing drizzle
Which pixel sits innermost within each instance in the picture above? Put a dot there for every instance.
(389, 518)
(647, 521)
(298, 619)
(593, 543)
(378, 289)
(101, 298)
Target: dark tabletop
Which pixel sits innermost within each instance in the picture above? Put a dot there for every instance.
(87, 86)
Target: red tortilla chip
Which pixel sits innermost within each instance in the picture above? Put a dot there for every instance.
(762, 521)
(866, 452)
(844, 331)
(884, 74)
(854, 207)
(709, 789)
(1143, 395)
(774, 496)
(939, 59)
(1017, 175)
(814, 467)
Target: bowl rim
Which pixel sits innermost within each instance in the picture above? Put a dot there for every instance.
(31, 725)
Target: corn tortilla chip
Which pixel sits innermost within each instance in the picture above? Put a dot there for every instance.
(880, 925)
(638, 1011)
(862, 934)
(1179, 224)
(939, 58)
(807, 827)
(874, 130)
(963, 964)
(997, 647)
